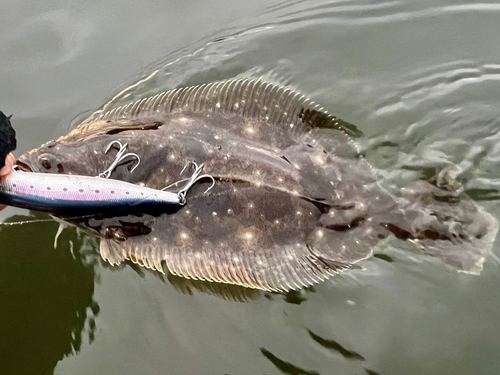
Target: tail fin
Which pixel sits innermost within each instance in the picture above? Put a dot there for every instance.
(448, 224)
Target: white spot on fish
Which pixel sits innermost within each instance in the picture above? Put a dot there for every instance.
(184, 235)
(320, 159)
(276, 221)
(216, 137)
(299, 212)
(217, 105)
(170, 137)
(250, 130)
(319, 233)
(155, 239)
(229, 211)
(214, 213)
(248, 235)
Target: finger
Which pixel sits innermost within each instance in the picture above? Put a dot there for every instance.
(11, 158)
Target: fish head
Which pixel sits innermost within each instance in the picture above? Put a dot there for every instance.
(65, 156)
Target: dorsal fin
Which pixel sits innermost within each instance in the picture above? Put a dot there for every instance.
(252, 99)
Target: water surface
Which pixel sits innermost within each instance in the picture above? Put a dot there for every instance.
(420, 79)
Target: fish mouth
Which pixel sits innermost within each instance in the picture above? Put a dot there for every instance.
(23, 166)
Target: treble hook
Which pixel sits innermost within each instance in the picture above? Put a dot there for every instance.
(191, 181)
(119, 157)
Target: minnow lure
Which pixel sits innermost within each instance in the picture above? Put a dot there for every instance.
(57, 193)
(60, 194)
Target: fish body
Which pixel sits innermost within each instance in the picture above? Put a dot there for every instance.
(59, 194)
(294, 201)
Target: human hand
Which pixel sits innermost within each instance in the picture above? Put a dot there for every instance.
(10, 160)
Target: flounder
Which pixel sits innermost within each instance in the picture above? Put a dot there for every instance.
(294, 201)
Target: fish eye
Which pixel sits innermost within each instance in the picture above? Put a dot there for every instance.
(46, 164)
(44, 160)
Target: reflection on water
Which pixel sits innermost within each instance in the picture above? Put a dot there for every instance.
(47, 306)
(285, 367)
(225, 291)
(334, 345)
(290, 369)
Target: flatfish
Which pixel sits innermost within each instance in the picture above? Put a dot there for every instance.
(294, 200)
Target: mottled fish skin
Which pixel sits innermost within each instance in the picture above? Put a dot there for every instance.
(294, 202)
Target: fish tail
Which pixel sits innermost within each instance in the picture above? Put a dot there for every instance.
(446, 223)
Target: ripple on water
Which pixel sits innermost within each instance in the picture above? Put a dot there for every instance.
(440, 115)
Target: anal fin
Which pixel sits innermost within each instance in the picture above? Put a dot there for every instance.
(278, 270)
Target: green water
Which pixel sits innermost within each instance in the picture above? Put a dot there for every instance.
(421, 79)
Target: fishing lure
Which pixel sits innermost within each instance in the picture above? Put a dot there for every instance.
(56, 193)
(63, 194)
